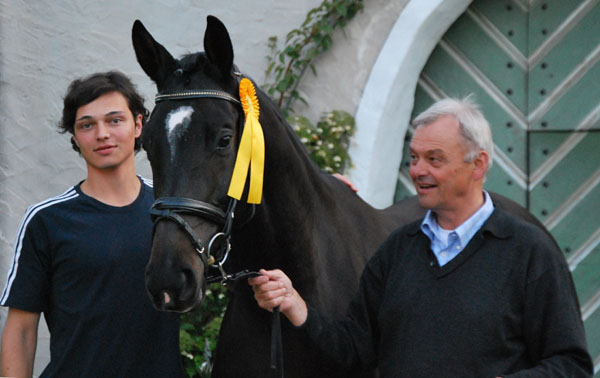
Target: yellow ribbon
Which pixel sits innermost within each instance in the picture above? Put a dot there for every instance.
(251, 151)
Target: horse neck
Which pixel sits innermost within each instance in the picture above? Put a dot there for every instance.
(291, 178)
(293, 189)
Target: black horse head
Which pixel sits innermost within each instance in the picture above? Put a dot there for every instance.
(191, 139)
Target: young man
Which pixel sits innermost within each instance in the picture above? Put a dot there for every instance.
(80, 257)
(469, 291)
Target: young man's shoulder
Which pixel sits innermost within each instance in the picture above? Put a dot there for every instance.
(147, 184)
(52, 202)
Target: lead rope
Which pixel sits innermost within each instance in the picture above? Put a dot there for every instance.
(276, 345)
(276, 364)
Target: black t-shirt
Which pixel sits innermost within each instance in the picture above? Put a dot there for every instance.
(81, 262)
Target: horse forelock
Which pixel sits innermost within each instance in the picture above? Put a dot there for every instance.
(193, 62)
(198, 66)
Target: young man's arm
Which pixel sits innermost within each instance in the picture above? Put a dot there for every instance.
(19, 341)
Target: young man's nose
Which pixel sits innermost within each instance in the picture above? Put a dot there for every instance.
(103, 131)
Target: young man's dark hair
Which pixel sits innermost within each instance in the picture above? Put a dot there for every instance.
(85, 90)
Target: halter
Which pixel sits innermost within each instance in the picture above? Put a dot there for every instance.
(170, 208)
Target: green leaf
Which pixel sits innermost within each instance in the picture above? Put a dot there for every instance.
(270, 68)
(284, 84)
(327, 28)
(342, 10)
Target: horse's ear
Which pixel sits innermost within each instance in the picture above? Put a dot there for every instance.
(155, 60)
(217, 45)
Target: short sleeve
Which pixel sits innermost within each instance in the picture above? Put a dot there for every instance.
(27, 282)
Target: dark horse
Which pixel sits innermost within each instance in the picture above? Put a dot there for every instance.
(309, 224)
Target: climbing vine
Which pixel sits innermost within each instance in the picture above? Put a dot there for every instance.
(326, 142)
(288, 65)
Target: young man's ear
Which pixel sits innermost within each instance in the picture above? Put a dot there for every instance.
(138, 125)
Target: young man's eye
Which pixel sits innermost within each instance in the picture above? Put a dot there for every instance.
(116, 120)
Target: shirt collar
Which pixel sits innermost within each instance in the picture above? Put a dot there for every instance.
(466, 230)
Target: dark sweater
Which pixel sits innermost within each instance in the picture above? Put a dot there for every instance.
(505, 306)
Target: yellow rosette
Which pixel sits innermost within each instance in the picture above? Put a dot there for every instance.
(251, 152)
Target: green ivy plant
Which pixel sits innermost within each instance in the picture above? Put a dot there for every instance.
(199, 330)
(287, 66)
(326, 142)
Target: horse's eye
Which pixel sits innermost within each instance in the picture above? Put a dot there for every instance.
(224, 142)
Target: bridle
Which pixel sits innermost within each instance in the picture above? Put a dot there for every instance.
(171, 208)
(215, 253)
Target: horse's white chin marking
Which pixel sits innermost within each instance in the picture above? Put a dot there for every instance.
(176, 123)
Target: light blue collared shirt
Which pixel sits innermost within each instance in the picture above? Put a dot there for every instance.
(447, 244)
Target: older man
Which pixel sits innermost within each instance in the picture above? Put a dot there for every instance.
(469, 291)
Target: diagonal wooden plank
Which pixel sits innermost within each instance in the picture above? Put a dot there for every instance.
(590, 120)
(574, 199)
(563, 29)
(496, 94)
(522, 4)
(500, 158)
(406, 181)
(498, 37)
(584, 250)
(434, 91)
(568, 83)
(590, 306)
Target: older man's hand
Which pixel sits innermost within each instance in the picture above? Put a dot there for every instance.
(273, 288)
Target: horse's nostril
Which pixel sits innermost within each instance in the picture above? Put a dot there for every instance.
(163, 301)
(189, 285)
(166, 298)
